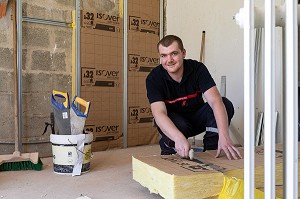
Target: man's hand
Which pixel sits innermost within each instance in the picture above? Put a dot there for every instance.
(182, 147)
(230, 150)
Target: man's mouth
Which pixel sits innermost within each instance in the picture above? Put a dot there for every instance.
(171, 64)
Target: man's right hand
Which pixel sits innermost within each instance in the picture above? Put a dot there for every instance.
(182, 147)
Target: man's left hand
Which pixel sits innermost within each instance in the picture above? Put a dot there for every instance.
(230, 150)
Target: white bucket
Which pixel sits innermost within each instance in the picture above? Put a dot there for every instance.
(64, 150)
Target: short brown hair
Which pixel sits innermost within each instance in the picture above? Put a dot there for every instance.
(168, 40)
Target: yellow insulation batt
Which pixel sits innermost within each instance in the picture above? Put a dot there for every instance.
(173, 177)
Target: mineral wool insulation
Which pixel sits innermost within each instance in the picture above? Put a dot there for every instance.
(174, 178)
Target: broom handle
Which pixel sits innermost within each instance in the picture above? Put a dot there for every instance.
(202, 46)
(15, 75)
(17, 42)
(19, 65)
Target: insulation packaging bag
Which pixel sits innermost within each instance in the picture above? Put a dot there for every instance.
(61, 109)
(233, 188)
(77, 117)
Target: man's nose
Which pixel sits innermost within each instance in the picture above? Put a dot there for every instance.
(170, 58)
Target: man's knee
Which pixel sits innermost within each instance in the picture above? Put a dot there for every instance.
(210, 141)
(229, 108)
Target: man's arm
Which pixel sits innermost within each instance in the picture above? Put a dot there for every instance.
(165, 124)
(214, 99)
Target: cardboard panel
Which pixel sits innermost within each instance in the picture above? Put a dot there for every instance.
(102, 73)
(143, 35)
(102, 77)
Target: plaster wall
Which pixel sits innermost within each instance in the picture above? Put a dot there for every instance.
(223, 54)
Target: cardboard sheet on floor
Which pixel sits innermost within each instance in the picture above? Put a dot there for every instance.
(173, 177)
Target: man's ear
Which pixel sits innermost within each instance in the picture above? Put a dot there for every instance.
(183, 53)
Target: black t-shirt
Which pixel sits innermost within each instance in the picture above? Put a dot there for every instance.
(185, 96)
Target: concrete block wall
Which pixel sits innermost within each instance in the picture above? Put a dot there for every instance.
(47, 65)
(105, 6)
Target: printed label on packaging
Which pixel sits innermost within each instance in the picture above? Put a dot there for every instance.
(139, 114)
(104, 132)
(194, 165)
(65, 115)
(100, 77)
(143, 25)
(101, 21)
(87, 19)
(140, 63)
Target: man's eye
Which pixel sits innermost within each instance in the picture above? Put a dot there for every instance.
(162, 56)
(175, 53)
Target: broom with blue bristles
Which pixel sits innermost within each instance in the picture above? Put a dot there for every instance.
(18, 160)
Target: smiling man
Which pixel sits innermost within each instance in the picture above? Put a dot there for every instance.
(175, 90)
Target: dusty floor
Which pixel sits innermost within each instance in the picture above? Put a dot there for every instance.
(110, 177)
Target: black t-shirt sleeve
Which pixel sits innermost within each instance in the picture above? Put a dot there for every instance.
(154, 88)
(204, 78)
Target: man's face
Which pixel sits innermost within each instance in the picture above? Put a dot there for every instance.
(171, 57)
